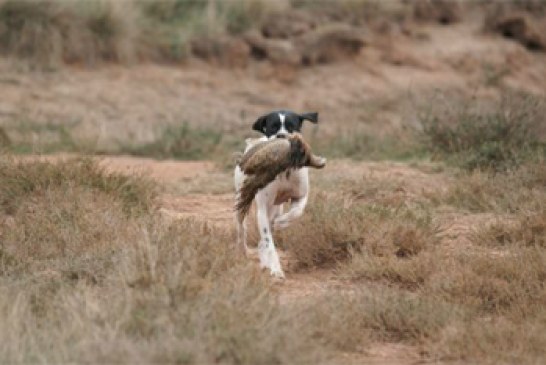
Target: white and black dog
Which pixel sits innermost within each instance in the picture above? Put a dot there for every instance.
(291, 186)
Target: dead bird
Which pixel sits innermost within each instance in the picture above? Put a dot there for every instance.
(265, 160)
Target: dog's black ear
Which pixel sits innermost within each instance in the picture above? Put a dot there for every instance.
(312, 117)
(259, 124)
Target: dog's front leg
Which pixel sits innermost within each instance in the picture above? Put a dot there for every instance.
(266, 247)
(274, 212)
(296, 210)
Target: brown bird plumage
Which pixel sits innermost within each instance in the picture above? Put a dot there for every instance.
(265, 160)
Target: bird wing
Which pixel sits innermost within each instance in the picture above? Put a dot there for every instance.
(265, 156)
(261, 163)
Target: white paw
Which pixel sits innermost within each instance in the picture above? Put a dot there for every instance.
(281, 223)
(321, 162)
(277, 273)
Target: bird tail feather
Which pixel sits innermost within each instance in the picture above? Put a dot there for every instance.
(246, 195)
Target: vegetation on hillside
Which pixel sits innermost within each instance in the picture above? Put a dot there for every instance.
(48, 33)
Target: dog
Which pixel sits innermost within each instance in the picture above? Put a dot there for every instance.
(291, 186)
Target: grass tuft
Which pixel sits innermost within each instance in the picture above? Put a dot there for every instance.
(516, 190)
(181, 142)
(357, 319)
(528, 230)
(22, 179)
(335, 229)
(505, 136)
(326, 233)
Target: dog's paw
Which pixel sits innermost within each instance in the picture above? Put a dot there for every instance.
(277, 273)
(317, 162)
(281, 223)
(321, 162)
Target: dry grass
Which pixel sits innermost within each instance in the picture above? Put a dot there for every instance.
(524, 230)
(510, 284)
(360, 145)
(22, 135)
(420, 287)
(334, 229)
(409, 273)
(184, 142)
(398, 248)
(358, 318)
(170, 294)
(326, 233)
(88, 273)
(22, 179)
(499, 136)
(497, 341)
(48, 33)
(83, 281)
(518, 190)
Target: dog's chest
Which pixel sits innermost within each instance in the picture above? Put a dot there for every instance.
(288, 186)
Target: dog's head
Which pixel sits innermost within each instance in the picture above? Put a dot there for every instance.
(280, 124)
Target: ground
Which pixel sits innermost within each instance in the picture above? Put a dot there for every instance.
(377, 94)
(184, 196)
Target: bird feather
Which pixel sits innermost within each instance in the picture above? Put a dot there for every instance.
(265, 160)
